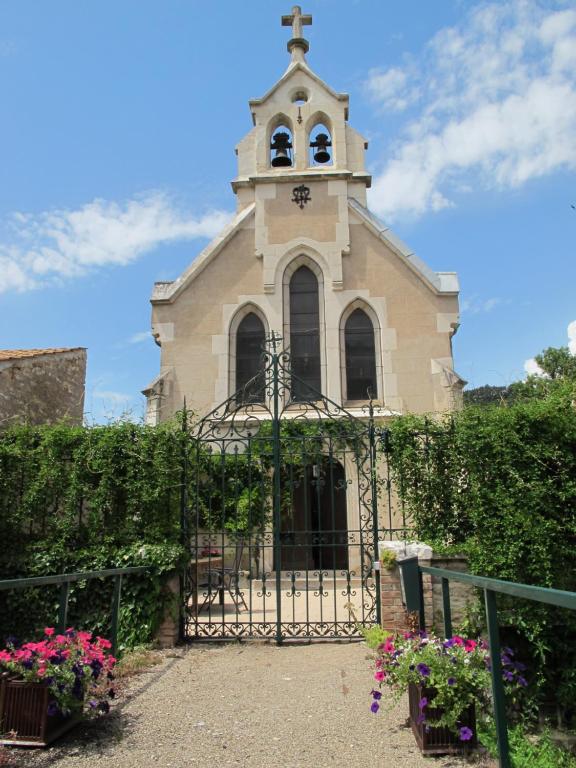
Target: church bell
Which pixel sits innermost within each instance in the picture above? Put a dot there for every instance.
(282, 146)
(321, 145)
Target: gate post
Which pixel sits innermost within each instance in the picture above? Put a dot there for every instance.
(277, 488)
(184, 532)
(374, 492)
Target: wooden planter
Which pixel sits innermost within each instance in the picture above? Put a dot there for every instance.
(24, 718)
(438, 741)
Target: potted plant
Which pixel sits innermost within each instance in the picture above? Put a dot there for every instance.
(448, 682)
(45, 686)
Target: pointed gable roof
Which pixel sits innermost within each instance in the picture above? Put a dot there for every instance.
(294, 67)
(439, 282)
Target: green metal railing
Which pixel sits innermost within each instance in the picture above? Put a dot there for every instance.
(65, 579)
(411, 573)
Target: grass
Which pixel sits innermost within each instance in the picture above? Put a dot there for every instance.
(136, 661)
(531, 751)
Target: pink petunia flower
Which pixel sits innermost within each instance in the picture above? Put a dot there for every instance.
(49, 631)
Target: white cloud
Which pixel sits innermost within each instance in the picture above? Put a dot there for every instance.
(138, 338)
(532, 368)
(65, 243)
(117, 398)
(474, 305)
(497, 107)
(572, 337)
(390, 88)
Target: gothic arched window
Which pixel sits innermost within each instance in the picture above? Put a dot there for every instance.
(305, 335)
(360, 357)
(250, 382)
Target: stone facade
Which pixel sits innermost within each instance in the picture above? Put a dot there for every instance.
(42, 386)
(357, 260)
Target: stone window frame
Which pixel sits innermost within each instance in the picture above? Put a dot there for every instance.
(304, 260)
(365, 306)
(246, 309)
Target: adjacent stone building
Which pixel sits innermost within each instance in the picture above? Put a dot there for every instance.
(304, 257)
(42, 386)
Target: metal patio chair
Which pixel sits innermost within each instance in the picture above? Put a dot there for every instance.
(217, 581)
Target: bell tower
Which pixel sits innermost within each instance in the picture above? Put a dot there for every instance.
(300, 163)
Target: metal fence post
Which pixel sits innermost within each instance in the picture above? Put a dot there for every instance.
(115, 612)
(63, 606)
(446, 608)
(496, 672)
(411, 581)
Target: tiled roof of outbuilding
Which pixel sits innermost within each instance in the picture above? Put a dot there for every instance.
(15, 354)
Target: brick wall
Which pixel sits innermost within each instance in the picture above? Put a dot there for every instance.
(393, 612)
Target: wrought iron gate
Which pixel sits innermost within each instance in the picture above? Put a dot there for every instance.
(281, 515)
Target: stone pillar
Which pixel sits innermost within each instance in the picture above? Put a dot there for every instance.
(168, 632)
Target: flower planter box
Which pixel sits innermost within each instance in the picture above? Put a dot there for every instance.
(24, 718)
(438, 741)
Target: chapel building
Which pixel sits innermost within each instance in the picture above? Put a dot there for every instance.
(363, 317)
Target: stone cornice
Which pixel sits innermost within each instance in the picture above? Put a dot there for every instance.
(300, 177)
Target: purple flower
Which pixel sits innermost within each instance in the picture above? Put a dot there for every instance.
(374, 707)
(423, 703)
(508, 676)
(53, 709)
(522, 681)
(451, 681)
(92, 703)
(448, 643)
(421, 718)
(465, 733)
(376, 694)
(423, 669)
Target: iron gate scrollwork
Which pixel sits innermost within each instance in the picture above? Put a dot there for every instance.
(280, 517)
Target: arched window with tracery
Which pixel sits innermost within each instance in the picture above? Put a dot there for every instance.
(305, 335)
(360, 351)
(250, 382)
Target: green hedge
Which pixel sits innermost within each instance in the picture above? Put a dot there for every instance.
(74, 499)
(500, 484)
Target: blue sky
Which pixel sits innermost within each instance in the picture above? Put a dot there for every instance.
(118, 126)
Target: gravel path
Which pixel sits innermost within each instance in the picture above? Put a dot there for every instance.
(247, 705)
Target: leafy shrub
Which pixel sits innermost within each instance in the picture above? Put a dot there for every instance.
(499, 483)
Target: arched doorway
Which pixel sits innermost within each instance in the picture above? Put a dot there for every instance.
(314, 523)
